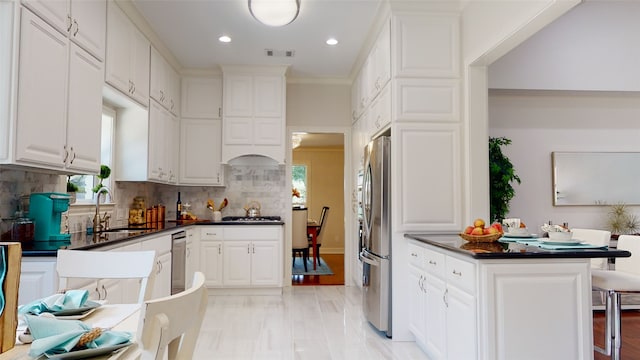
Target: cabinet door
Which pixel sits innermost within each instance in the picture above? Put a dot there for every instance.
(238, 95)
(416, 304)
(192, 262)
(237, 263)
(140, 53)
(211, 262)
(162, 282)
(433, 146)
(118, 59)
(42, 93)
(435, 318)
(157, 79)
(200, 151)
(173, 90)
(89, 25)
(383, 57)
(86, 76)
(172, 146)
(38, 279)
(265, 263)
(238, 131)
(202, 97)
(56, 13)
(267, 131)
(461, 324)
(157, 146)
(267, 96)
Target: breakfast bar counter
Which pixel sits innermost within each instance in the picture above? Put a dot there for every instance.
(500, 300)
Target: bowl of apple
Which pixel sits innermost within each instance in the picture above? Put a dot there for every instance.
(478, 232)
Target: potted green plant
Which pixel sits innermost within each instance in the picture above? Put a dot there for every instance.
(105, 172)
(501, 176)
(72, 189)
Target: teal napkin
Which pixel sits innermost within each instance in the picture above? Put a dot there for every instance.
(3, 271)
(72, 299)
(53, 336)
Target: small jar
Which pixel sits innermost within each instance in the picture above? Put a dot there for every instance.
(23, 229)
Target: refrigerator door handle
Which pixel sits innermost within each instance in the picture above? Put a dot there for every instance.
(370, 259)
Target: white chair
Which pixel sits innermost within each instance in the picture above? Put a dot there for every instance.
(171, 324)
(98, 265)
(625, 279)
(299, 236)
(594, 237)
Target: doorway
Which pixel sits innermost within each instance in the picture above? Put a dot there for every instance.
(318, 180)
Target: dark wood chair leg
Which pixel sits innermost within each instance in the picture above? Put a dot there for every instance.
(305, 256)
(317, 253)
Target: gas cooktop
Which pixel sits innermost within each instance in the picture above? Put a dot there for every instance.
(252, 219)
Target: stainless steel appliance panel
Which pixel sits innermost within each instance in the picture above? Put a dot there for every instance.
(376, 235)
(178, 262)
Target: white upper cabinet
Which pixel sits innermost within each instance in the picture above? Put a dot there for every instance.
(83, 21)
(164, 83)
(128, 52)
(59, 101)
(426, 45)
(201, 131)
(253, 121)
(202, 97)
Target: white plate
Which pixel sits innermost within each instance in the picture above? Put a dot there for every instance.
(87, 353)
(88, 306)
(76, 317)
(560, 242)
(518, 235)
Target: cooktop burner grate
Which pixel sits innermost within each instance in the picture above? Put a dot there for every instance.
(251, 219)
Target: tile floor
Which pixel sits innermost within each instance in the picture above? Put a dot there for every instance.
(306, 322)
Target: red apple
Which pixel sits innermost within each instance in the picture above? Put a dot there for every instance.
(468, 230)
(498, 227)
(485, 231)
(493, 230)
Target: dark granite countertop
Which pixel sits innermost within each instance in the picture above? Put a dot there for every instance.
(509, 250)
(83, 241)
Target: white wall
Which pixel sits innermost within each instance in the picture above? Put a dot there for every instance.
(540, 122)
(318, 104)
(595, 46)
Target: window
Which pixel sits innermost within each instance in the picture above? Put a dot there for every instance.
(86, 182)
(299, 183)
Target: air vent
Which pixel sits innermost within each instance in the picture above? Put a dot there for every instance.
(279, 53)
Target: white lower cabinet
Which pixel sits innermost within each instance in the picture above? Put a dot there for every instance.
(162, 282)
(440, 311)
(191, 256)
(241, 256)
(463, 307)
(38, 279)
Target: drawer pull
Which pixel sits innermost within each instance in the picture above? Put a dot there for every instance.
(431, 262)
(459, 273)
(414, 254)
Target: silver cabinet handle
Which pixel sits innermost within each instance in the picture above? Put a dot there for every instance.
(75, 22)
(219, 249)
(73, 155)
(105, 292)
(69, 22)
(444, 298)
(431, 262)
(459, 273)
(414, 254)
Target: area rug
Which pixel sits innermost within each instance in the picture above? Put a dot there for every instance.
(321, 269)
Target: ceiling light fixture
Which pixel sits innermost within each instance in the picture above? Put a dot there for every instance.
(332, 41)
(224, 39)
(274, 12)
(295, 141)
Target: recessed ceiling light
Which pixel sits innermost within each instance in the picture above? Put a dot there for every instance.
(332, 41)
(224, 39)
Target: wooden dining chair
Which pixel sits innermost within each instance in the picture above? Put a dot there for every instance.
(169, 326)
(624, 279)
(323, 219)
(299, 236)
(101, 265)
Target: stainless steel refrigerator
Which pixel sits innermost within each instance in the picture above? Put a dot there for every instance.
(376, 252)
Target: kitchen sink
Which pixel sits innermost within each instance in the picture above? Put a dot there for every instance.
(126, 230)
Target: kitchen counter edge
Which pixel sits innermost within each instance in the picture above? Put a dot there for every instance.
(50, 248)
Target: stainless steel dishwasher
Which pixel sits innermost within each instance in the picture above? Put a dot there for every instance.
(178, 261)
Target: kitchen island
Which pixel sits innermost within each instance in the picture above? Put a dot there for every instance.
(500, 300)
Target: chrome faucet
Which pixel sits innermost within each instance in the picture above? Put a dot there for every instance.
(101, 223)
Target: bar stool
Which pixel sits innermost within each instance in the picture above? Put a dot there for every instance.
(625, 279)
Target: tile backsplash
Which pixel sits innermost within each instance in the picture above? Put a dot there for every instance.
(250, 178)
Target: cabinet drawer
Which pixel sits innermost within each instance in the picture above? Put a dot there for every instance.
(461, 274)
(416, 254)
(253, 232)
(434, 263)
(212, 233)
(161, 244)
